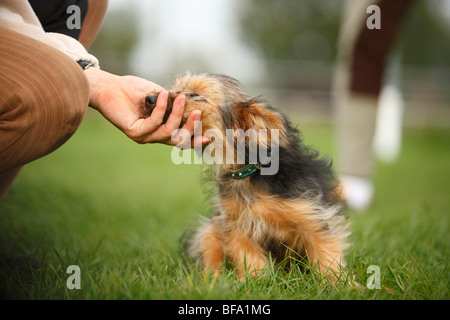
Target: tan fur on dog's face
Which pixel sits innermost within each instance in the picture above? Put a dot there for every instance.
(208, 93)
(202, 93)
(223, 103)
(211, 94)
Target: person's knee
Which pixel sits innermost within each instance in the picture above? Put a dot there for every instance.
(43, 99)
(41, 110)
(69, 95)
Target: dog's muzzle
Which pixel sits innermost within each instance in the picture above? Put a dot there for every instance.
(150, 105)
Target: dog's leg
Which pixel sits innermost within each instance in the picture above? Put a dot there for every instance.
(310, 233)
(245, 253)
(211, 248)
(323, 248)
(324, 252)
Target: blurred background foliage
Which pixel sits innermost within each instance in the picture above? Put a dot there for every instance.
(294, 43)
(308, 29)
(292, 30)
(298, 41)
(116, 41)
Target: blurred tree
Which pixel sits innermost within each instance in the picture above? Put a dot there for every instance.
(425, 39)
(292, 32)
(292, 29)
(116, 41)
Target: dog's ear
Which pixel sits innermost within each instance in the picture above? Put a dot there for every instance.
(257, 116)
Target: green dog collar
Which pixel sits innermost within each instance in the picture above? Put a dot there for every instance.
(246, 171)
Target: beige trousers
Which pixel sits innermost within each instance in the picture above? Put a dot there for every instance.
(43, 96)
(359, 73)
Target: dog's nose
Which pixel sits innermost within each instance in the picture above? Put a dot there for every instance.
(150, 104)
(151, 99)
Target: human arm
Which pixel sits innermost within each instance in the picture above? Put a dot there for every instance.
(18, 16)
(120, 100)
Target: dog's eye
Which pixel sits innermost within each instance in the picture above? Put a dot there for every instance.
(195, 97)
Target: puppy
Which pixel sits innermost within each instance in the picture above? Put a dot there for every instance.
(276, 198)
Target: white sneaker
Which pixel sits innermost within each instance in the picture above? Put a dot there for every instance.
(358, 192)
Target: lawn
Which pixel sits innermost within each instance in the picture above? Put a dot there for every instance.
(118, 211)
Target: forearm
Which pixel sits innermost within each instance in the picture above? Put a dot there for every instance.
(100, 83)
(18, 16)
(120, 99)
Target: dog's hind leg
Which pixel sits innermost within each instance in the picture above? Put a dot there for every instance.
(314, 231)
(325, 253)
(207, 246)
(246, 254)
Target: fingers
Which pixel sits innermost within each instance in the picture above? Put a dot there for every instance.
(192, 122)
(152, 129)
(157, 116)
(142, 130)
(174, 121)
(193, 125)
(184, 137)
(176, 115)
(198, 141)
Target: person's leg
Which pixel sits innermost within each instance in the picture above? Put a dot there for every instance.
(89, 30)
(356, 113)
(53, 16)
(43, 98)
(359, 77)
(92, 22)
(6, 180)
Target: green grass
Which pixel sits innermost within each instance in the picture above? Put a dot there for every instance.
(118, 210)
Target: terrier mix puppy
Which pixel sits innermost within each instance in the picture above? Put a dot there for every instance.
(290, 211)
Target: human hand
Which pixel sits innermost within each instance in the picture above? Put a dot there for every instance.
(120, 99)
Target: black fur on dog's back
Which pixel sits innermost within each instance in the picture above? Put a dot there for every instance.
(302, 172)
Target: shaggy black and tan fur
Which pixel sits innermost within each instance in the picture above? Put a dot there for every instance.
(296, 210)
